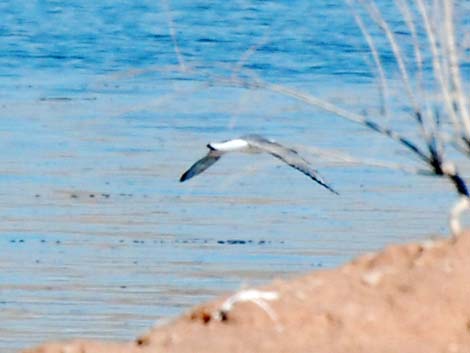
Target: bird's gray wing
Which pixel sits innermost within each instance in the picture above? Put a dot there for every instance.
(289, 156)
(201, 165)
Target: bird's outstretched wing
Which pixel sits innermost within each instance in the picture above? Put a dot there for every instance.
(201, 165)
(289, 156)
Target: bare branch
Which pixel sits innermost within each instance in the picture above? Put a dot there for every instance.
(438, 70)
(377, 17)
(375, 54)
(410, 23)
(454, 68)
(171, 27)
(329, 107)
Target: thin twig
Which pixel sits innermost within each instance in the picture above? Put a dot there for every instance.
(428, 127)
(329, 107)
(342, 157)
(454, 68)
(430, 135)
(375, 55)
(249, 52)
(171, 27)
(410, 23)
(437, 67)
(377, 17)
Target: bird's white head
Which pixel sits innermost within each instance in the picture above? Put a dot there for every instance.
(229, 146)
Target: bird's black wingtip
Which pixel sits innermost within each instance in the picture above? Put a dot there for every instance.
(183, 177)
(331, 189)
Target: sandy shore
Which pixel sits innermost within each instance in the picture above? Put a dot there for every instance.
(407, 298)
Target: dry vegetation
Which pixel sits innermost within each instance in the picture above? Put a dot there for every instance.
(436, 98)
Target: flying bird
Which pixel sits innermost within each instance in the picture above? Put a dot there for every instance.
(254, 144)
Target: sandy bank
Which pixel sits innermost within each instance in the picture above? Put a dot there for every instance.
(407, 298)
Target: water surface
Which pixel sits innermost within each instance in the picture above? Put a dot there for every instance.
(99, 119)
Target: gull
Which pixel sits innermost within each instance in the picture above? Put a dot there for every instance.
(254, 144)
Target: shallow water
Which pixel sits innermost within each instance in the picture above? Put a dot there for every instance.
(98, 237)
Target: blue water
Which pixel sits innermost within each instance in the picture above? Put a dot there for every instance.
(100, 116)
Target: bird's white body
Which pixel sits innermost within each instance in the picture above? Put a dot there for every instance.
(235, 145)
